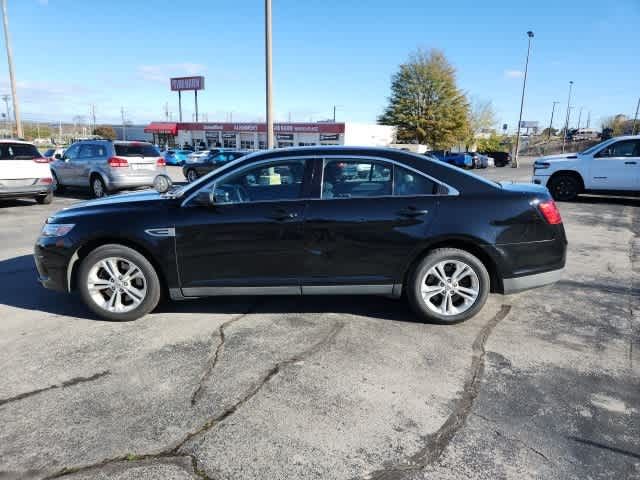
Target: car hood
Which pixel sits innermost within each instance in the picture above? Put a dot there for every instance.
(123, 200)
(563, 157)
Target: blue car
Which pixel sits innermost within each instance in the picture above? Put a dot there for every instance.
(459, 159)
(175, 157)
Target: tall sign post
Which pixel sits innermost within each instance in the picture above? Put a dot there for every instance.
(179, 84)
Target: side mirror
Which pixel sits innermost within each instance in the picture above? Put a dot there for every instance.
(57, 156)
(220, 196)
(162, 183)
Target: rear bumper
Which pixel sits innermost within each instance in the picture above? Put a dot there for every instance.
(527, 282)
(20, 192)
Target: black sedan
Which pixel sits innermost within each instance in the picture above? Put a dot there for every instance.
(194, 169)
(290, 222)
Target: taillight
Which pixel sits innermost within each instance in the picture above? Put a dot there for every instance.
(116, 162)
(161, 162)
(40, 159)
(550, 212)
(46, 181)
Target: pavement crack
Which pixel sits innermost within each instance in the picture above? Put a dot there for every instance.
(67, 383)
(175, 450)
(521, 442)
(437, 442)
(212, 361)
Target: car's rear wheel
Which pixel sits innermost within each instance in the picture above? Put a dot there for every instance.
(98, 188)
(45, 198)
(564, 187)
(118, 283)
(192, 175)
(448, 286)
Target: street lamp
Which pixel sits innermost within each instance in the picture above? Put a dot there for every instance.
(524, 86)
(553, 110)
(269, 71)
(566, 124)
(12, 77)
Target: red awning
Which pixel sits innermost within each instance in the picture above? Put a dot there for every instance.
(162, 127)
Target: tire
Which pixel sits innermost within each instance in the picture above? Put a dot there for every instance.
(45, 199)
(434, 308)
(191, 175)
(564, 188)
(97, 187)
(57, 186)
(145, 284)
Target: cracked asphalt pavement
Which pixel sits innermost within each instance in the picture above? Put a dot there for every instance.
(542, 384)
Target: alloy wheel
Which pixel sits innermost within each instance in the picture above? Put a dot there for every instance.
(117, 285)
(192, 176)
(98, 188)
(450, 287)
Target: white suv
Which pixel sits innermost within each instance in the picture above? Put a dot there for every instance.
(612, 166)
(24, 172)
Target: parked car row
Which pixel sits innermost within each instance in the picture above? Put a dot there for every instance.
(469, 160)
(202, 163)
(24, 172)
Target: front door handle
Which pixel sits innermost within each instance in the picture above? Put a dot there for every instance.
(630, 163)
(412, 212)
(281, 215)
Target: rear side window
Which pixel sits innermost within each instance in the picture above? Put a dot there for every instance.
(136, 150)
(356, 178)
(18, 151)
(407, 183)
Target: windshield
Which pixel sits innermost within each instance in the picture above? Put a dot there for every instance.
(18, 151)
(591, 150)
(136, 150)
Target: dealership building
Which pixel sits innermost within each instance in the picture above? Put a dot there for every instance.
(252, 136)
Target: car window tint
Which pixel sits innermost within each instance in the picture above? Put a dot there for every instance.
(626, 148)
(356, 178)
(136, 150)
(72, 151)
(18, 151)
(281, 180)
(407, 183)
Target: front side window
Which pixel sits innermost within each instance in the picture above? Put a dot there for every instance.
(72, 152)
(273, 181)
(356, 178)
(625, 148)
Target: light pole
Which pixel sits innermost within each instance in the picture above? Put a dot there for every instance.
(580, 117)
(566, 124)
(269, 71)
(635, 118)
(12, 78)
(553, 110)
(524, 86)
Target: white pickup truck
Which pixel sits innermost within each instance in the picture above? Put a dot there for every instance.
(612, 166)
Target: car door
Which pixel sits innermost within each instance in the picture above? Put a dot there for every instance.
(64, 167)
(82, 165)
(360, 234)
(616, 167)
(250, 237)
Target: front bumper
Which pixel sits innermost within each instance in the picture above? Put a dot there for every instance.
(540, 179)
(527, 282)
(52, 256)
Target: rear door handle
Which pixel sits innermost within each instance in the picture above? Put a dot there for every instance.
(630, 163)
(281, 215)
(412, 212)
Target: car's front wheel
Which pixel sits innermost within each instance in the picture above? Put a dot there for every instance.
(118, 283)
(564, 188)
(448, 286)
(192, 175)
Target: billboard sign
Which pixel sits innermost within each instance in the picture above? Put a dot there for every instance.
(527, 124)
(187, 83)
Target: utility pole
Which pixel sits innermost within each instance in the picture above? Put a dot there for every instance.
(334, 114)
(124, 128)
(580, 117)
(553, 110)
(92, 114)
(12, 78)
(589, 117)
(8, 117)
(269, 72)
(635, 118)
(524, 86)
(166, 111)
(566, 124)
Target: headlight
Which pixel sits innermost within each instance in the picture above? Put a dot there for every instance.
(541, 165)
(56, 229)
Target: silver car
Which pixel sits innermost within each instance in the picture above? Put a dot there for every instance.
(107, 166)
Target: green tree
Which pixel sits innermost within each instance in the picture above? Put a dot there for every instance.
(426, 104)
(32, 131)
(105, 131)
(492, 144)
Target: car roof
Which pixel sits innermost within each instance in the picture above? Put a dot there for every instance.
(10, 140)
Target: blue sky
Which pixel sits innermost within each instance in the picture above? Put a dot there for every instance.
(70, 53)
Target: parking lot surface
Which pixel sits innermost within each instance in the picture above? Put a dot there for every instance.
(542, 384)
